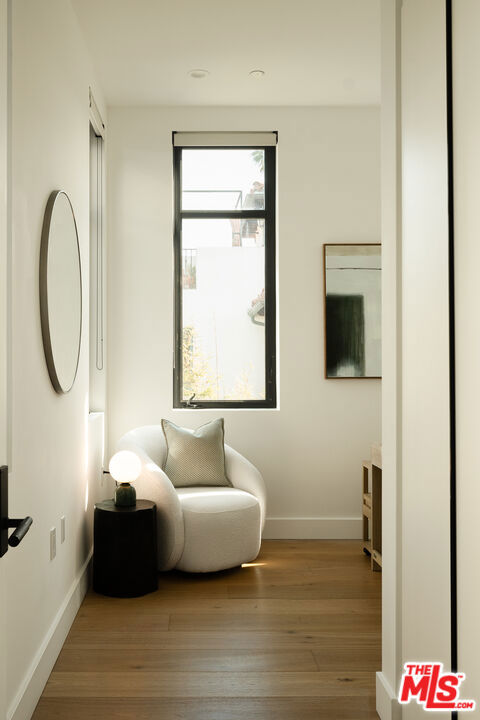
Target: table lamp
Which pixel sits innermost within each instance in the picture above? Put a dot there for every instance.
(125, 467)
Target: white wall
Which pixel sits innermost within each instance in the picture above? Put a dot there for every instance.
(425, 361)
(388, 678)
(466, 117)
(416, 502)
(310, 450)
(52, 475)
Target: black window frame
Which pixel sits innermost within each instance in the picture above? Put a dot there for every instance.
(269, 215)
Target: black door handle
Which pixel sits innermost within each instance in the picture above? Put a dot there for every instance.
(22, 526)
(21, 529)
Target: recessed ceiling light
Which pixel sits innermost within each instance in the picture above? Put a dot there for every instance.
(198, 74)
(257, 73)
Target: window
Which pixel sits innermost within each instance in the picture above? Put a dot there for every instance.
(97, 273)
(224, 272)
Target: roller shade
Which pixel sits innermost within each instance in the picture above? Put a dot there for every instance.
(224, 139)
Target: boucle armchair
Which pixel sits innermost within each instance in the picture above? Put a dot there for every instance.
(200, 529)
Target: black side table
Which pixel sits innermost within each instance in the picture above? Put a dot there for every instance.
(125, 549)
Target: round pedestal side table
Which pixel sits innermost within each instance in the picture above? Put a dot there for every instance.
(125, 549)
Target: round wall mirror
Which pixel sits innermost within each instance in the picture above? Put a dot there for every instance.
(60, 291)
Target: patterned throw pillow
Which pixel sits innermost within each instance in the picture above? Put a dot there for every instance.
(195, 457)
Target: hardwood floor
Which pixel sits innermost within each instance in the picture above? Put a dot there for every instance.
(294, 635)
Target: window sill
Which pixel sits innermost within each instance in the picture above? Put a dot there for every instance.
(226, 409)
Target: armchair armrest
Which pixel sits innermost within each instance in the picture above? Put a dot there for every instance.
(245, 476)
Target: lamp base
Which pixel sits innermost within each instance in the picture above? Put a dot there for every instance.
(125, 495)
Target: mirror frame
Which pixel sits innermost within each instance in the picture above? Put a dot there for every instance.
(340, 377)
(43, 284)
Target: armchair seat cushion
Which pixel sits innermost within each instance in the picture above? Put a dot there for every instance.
(222, 527)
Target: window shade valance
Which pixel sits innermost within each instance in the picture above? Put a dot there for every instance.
(224, 139)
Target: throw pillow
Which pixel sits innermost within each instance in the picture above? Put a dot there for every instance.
(195, 457)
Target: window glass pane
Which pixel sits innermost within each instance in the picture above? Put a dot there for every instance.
(223, 309)
(223, 179)
(189, 269)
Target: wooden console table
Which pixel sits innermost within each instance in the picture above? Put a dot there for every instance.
(372, 507)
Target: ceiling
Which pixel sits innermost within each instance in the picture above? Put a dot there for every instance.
(313, 52)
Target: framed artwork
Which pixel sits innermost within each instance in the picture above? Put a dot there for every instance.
(353, 307)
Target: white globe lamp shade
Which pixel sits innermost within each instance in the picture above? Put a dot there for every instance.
(125, 466)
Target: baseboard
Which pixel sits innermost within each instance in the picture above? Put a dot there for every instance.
(321, 528)
(24, 703)
(388, 707)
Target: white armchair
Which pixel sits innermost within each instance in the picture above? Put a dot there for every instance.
(200, 529)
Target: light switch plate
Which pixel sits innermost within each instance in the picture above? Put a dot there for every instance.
(62, 529)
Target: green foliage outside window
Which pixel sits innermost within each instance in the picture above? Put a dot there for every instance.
(198, 377)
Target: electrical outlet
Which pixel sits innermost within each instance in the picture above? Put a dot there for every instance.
(53, 543)
(62, 529)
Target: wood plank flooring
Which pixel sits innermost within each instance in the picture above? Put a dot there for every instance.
(296, 634)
